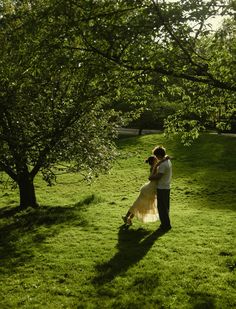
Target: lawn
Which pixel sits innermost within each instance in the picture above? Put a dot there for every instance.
(73, 251)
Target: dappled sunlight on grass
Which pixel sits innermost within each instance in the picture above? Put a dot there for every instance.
(22, 232)
(73, 251)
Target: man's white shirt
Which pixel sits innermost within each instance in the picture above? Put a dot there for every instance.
(166, 169)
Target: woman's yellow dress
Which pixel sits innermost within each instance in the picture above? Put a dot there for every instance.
(145, 206)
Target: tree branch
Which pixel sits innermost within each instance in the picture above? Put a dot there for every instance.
(209, 80)
(8, 170)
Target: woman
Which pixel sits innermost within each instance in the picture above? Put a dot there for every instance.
(145, 206)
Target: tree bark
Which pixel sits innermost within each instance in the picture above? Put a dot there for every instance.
(27, 191)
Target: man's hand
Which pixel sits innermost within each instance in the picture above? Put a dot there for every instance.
(155, 177)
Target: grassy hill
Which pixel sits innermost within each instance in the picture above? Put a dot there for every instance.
(73, 251)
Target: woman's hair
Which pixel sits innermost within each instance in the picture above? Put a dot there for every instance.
(159, 151)
(150, 160)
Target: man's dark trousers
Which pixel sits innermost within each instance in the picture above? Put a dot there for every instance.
(163, 205)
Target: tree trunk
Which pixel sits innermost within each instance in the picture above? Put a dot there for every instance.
(27, 192)
(140, 131)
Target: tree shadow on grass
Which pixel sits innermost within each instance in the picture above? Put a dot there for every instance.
(208, 173)
(22, 232)
(202, 301)
(132, 246)
(207, 152)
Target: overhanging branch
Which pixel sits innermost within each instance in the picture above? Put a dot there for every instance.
(208, 80)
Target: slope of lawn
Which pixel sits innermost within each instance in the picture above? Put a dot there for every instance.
(73, 252)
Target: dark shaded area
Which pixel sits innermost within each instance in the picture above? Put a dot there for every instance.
(23, 231)
(208, 151)
(210, 163)
(231, 265)
(202, 301)
(90, 199)
(132, 246)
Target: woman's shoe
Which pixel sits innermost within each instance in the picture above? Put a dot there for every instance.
(129, 222)
(124, 219)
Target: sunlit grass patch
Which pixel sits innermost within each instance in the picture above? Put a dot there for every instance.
(73, 252)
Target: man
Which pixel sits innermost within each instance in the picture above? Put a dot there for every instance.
(163, 177)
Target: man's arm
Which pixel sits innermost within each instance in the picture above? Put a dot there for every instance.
(156, 177)
(161, 170)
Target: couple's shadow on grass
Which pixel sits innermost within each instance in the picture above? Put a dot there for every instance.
(132, 246)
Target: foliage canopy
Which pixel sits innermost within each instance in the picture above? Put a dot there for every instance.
(62, 64)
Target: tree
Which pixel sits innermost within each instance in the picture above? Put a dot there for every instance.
(52, 98)
(159, 37)
(164, 41)
(63, 62)
(203, 106)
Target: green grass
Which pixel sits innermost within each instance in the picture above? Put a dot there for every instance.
(73, 252)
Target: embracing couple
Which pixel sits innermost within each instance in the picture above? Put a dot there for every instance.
(154, 197)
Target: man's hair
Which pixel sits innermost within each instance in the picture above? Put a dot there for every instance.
(150, 160)
(159, 151)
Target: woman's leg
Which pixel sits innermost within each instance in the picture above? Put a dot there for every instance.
(128, 218)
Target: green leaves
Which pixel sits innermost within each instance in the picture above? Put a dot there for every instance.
(68, 69)
(54, 92)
